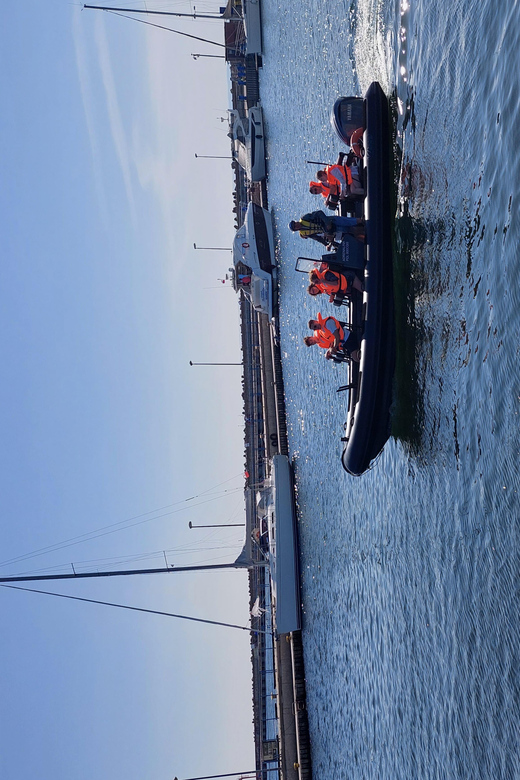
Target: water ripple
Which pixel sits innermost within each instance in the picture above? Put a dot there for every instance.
(410, 574)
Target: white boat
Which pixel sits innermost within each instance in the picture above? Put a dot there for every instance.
(253, 259)
(253, 26)
(248, 142)
(283, 548)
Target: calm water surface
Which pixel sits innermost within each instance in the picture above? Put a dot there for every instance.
(411, 573)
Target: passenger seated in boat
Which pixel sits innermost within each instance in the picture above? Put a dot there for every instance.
(338, 182)
(327, 230)
(329, 191)
(329, 335)
(344, 177)
(327, 188)
(333, 283)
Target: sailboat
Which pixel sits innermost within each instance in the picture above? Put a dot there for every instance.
(251, 19)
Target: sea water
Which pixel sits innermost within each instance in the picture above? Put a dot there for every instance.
(411, 573)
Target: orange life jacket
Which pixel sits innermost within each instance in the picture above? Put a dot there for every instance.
(343, 170)
(324, 336)
(331, 188)
(326, 286)
(324, 188)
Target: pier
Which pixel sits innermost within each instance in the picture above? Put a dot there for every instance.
(266, 435)
(281, 731)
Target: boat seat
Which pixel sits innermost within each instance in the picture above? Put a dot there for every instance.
(342, 299)
(350, 254)
(350, 327)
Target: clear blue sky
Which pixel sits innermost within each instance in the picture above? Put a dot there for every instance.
(103, 302)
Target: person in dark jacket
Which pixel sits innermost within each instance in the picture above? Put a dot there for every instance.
(327, 230)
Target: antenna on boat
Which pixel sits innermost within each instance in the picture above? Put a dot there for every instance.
(253, 772)
(216, 364)
(217, 56)
(215, 156)
(219, 248)
(224, 525)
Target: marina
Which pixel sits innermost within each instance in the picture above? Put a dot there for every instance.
(271, 552)
(363, 533)
(371, 524)
(254, 277)
(270, 518)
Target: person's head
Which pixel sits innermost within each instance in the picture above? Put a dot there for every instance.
(315, 188)
(293, 225)
(313, 324)
(313, 289)
(310, 340)
(321, 176)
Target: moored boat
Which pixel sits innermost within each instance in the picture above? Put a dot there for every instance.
(248, 143)
(253, 26)
(283, 548)
(253, 259)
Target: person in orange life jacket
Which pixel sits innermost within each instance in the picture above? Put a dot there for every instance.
(329, 335)
(327, 230)
(335, 176)
(339, 180)
(330, 192)
(332, 283)
(345, 177)
(325, 188)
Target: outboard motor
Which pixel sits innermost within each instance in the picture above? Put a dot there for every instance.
(348, 115)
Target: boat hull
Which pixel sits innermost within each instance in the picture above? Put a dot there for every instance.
(284, 555)
(253, 25)
(248, 143)
(368, 424)
(257, 144)
(253, 252)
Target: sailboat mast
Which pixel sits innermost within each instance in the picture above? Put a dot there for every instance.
(159, 26)
(194, 15)
(129, 572)
(254, 630)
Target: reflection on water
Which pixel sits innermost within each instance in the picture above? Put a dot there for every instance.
(407, 411)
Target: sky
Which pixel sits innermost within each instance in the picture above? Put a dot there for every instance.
(106, 430)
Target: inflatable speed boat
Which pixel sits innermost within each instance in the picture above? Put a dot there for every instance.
(367, 427)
